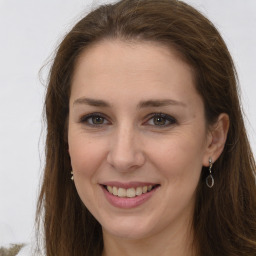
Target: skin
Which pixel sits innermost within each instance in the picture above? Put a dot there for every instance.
(128, 144)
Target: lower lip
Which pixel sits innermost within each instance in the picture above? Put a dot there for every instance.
(126, 202)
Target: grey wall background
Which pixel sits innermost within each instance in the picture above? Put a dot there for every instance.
(29, 32)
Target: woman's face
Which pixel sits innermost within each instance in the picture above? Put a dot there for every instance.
(137, 137)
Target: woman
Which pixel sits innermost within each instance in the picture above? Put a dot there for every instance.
(143, 115)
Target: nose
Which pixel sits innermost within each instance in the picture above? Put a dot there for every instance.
(126, 150)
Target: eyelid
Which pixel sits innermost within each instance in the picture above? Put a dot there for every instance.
(85, 118)
(171, 119)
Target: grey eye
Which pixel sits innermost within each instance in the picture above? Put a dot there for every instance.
(97, 120)
(159, 120)
(94, 119)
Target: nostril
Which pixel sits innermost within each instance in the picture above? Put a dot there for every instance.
(125, 156)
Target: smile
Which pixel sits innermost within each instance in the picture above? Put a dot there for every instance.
(128, 195)
(129, 192)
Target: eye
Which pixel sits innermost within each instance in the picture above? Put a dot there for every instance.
(94, 119)
(161, 120)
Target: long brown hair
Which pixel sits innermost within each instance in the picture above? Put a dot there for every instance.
(224, 216)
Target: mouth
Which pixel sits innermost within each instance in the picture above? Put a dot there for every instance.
(130, 192)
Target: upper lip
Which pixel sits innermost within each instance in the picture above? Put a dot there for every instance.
(132, 184)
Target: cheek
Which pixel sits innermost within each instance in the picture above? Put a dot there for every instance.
(179, 157)
(86, 158)
(86, 155)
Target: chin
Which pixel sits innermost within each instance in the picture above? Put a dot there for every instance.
(127, 233)
(125, 229)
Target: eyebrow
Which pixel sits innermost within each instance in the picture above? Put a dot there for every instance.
(91, 102)
(142, 104)
(160, 103)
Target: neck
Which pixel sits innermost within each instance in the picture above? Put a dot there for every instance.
(179, 242)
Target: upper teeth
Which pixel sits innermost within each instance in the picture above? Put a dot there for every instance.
(130, 192)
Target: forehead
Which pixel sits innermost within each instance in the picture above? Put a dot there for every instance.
(145, 68)
(109, 51)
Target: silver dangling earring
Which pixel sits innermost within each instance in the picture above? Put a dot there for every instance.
(72, 177)
(210, 179)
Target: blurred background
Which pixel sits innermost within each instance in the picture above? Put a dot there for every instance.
(29, 33)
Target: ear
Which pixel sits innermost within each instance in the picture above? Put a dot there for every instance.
(216, 139)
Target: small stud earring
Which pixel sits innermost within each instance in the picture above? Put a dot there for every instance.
(72, 177)
(210, 179)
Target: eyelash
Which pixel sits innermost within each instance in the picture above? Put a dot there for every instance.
(166, 118)
(86, 118)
